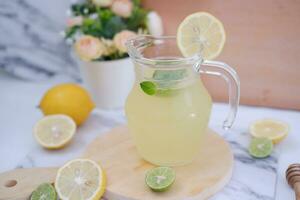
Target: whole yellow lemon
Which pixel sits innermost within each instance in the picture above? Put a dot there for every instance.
(69, 99)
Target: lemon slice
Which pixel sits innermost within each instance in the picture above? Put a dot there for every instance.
(201, 33)
(80, 179)
(268, 128)
(54, 131)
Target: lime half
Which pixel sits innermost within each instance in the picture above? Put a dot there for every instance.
(160, 179)
(260, 147)
(44, 192)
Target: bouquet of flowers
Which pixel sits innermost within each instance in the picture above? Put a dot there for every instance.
(99, 28)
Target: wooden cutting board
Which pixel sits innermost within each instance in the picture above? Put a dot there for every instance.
(125, 170)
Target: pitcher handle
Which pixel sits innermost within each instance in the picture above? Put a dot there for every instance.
(226, 72)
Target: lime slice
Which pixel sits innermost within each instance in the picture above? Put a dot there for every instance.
(44, 192)
(260, 147)
(269, 128)
(201, 33)
(160, 179)
(54, 131)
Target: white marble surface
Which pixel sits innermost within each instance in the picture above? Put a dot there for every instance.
(252, 179)
(31, 46)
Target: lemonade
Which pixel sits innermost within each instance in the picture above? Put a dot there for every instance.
(168, 108)
(168, 128)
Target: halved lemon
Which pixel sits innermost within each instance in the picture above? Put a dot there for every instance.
(269, 128)
(54, 131)
(80, 179)
(201, 33)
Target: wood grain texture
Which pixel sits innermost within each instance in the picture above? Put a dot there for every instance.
(125, 171)
(262, 45)
(27, 180)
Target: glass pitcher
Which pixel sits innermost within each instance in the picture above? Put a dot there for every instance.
(168, 108)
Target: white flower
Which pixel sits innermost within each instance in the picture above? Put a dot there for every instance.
(122, 8)
(102, 3)
(89, 48)
(73, 21)
(121, 38)
(93, 16)
(85, 11)
(154, 24)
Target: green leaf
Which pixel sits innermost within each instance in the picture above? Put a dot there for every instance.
(114, 56)
(88, 22)
(137, 19)
(92, 27)
(136, 2)
(71, 31)
(169, 75)
(79, 9)
(105, 14)
(148, 87)
(167, 78)
(113, 26)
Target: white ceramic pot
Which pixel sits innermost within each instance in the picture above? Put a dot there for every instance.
(109, 82)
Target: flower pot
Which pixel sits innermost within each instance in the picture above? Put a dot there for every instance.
(109, 82)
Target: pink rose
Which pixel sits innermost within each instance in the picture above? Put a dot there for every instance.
(122, 8)
(121, 38)
(89, 48)
(74, 21)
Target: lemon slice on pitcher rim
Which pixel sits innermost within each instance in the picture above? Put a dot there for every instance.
(269, 128)
(201, 33)
(54, 131)
(80, 179)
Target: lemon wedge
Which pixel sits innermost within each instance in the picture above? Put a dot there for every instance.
(54, 131)
(201, 33)
(80, 179)
(269, 128)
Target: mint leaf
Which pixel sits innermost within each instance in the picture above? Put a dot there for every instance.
(166, 78)
(169, 75)
(148, 87)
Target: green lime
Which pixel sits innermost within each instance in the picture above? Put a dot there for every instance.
(160, 179)
(45, 191)
(260, 147)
